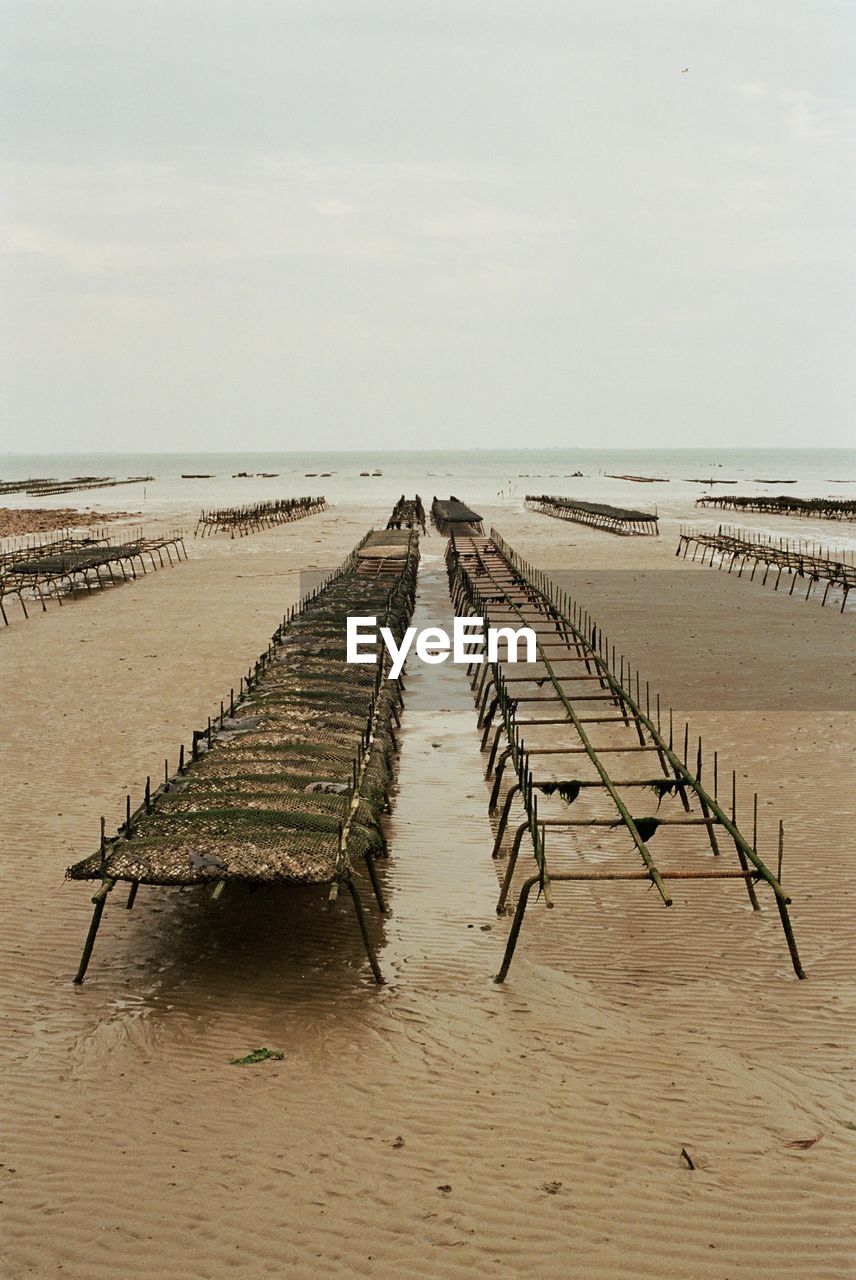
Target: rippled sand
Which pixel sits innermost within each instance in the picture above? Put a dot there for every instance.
(440, 1126)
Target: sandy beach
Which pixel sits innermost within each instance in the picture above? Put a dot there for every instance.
(441, 1125)
(318, 971)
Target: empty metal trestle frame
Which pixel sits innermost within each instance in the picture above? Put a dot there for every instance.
(287, 782)
(800, 560)
(606, 748)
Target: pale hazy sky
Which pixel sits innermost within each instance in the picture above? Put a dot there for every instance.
(393, 223)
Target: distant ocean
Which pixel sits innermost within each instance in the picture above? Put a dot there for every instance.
(478, 475)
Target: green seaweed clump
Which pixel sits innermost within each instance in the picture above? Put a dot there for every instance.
(257, 1055)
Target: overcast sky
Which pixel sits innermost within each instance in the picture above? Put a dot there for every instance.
(404, 223)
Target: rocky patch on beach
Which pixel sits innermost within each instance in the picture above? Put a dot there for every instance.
(15, 520)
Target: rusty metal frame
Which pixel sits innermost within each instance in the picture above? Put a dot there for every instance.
(488, 579)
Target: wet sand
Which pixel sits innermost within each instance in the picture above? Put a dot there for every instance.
(440, 1125)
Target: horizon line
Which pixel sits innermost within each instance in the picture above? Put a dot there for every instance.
(71, 453)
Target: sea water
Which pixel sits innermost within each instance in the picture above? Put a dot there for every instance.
(477, 475)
